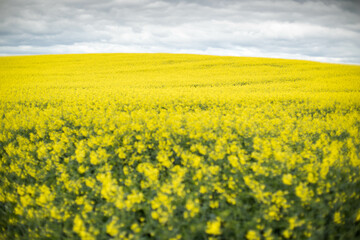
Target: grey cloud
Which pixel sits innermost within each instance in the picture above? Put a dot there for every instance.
(316, 30)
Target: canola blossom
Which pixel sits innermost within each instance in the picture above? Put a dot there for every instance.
(167, 146)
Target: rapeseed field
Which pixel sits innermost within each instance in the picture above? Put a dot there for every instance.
(164, 146)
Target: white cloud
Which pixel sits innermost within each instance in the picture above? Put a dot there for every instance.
(314, 30)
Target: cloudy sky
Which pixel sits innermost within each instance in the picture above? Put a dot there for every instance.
(323, 30)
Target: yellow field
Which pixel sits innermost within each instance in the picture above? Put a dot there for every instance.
(164, 146)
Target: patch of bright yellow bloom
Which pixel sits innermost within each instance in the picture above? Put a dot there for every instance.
(287, 179)
(214, 227)
(164, 146)
(252, 235)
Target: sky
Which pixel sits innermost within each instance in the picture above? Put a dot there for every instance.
(318, 30)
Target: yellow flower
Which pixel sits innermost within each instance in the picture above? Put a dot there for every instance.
(177, 237)
(26, 200)
(338, 218)
(80, 152)
(311, 178)
(81, 169)
(90, 182)
(234, 161)
(79, 226)
(214, 204)
(135, 228)
(94, 158)
(304, 193)
(163, 159)
(358, 216)
(133, 198)
(54, 213)
(192, 206)
(112, 228)
(252, 235)
(294, 222)
(214, 227)
(287, 233)
(287, 179)
(268, 234)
